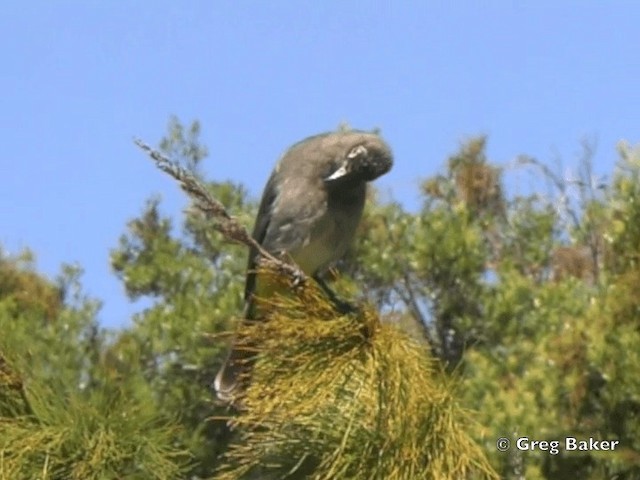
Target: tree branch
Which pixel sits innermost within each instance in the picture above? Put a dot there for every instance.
(226, 224)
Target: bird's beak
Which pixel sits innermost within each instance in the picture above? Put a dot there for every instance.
(339, 173)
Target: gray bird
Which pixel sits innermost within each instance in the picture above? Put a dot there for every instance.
(310, 209)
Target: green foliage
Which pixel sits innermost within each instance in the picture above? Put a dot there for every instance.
(345, 397)
(624, 212)
(194, 279)
(530, 302)
(35, 313)
(539, 293)
(55, 434)
(59, 419)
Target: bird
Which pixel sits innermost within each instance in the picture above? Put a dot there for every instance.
(309, 212)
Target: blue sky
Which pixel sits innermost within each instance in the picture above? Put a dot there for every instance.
(80, 79)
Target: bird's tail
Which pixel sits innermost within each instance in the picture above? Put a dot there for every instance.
(235, 371)
(229, 380)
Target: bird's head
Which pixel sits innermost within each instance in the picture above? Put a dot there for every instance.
(362, 157)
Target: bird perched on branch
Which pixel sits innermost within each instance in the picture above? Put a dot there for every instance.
(309, 212)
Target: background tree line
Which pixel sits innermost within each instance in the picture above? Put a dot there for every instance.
(530, 301)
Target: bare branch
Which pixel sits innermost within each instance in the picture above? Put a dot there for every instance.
(226, 224)
(561, 184)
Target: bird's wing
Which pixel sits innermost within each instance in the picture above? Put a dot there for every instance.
(289, 212)
(260, 231)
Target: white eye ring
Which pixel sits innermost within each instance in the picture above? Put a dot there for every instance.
(359, 150)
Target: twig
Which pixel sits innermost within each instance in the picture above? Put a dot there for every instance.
(227, 225)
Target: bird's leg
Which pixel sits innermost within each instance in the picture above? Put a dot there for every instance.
(342, 306)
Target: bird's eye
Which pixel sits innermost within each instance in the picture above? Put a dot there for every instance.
(357, 151)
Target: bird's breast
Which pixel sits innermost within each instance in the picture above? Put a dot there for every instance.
(331, 233)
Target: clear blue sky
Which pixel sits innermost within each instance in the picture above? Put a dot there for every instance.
(80, 79)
